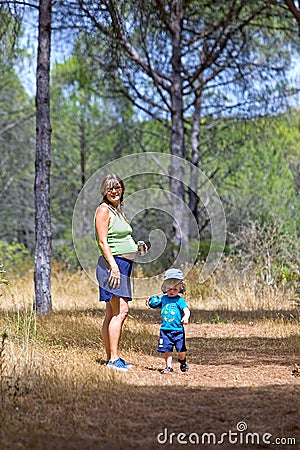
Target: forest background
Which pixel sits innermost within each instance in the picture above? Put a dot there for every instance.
(217, 85)
(248, 126)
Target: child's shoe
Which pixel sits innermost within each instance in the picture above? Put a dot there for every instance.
(184, 367)
(166, 370)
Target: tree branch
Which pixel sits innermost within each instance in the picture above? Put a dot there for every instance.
(13, 2)
(294, 10)
(159, 78)
(15, 123)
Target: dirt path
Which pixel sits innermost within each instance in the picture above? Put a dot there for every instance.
(238, 394)
(239, 390)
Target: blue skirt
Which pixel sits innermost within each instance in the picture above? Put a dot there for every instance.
(103, 273)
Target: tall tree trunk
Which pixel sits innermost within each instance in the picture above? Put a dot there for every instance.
(42, 261)
(82, 140)
(194, 175)
(180, 224)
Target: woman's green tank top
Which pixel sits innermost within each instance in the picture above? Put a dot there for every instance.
(119, 236)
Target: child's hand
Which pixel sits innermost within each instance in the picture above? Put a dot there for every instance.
(185, 320)
(147, 302)
(186, 316)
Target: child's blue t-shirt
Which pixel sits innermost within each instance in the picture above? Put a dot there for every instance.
(171, 310)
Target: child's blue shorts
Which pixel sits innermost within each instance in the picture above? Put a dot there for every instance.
(170, 339)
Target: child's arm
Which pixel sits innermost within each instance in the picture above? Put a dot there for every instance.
(186, 315)
(154, 301)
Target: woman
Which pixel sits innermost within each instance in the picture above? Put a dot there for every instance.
(117, 252)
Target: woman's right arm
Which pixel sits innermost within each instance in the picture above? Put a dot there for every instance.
(102, 222)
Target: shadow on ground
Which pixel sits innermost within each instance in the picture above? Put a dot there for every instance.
(134, 417)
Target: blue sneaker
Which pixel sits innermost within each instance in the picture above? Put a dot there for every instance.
(129, 366)
(118, 364)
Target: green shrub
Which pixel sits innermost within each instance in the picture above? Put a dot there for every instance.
(64, 252)
(3, 280)
(270, 252)
(15, 257)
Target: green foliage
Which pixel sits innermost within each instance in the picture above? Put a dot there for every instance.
(89, 130)
(252, 163)
(66, 252)
(22, 325)
(203, 248)
(10, 26)
(3, 280)
(17, 161)
(253, 174)
(16, 132)
(217, 319)
(16, 257)
(63, 251)
(270, 251)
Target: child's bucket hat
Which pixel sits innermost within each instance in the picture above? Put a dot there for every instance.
(173, 274)
(176, 275)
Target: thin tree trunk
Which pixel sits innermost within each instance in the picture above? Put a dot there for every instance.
(42, 261)
(85, 224)
(194, 175)
(180, 224)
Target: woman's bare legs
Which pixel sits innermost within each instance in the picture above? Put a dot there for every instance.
(115, 315)
(105, 336)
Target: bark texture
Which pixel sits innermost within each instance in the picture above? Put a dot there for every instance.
(42, 261)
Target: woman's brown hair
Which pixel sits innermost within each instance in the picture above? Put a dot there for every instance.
(109, 181)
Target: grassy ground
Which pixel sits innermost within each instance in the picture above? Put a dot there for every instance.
(56, 392)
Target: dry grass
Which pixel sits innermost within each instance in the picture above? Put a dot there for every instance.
(56, 392)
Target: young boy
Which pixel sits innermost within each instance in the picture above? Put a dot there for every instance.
(174, 313)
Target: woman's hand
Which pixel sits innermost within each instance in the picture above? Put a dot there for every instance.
(142, 248)
(114, 278)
